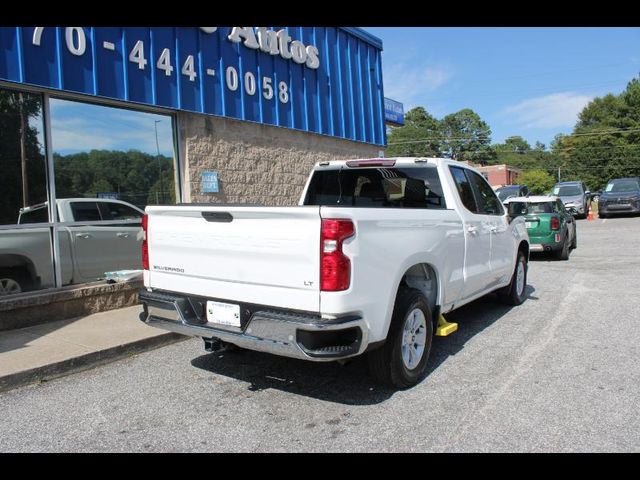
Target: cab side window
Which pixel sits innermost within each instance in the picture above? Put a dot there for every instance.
(487, 199)
(85, 211)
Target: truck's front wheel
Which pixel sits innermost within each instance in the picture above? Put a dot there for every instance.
(402, 360)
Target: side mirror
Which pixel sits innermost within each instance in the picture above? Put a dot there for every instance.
(587, 192)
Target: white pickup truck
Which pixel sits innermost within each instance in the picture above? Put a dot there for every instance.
(376, 250)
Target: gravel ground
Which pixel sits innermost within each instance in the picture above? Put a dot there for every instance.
(559, 373)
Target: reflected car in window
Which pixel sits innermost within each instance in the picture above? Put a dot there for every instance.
(95, 236)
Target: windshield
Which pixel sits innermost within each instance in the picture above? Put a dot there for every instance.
(567, 190)
(504, 193)
(621, 186)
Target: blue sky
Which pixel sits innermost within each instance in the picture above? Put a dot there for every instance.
(80, 127)
(522, 81)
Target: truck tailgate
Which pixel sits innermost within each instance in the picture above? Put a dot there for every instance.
(261, 255)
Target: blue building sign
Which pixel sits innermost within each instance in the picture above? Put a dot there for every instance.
(209, 182)
(108, 195)
(393, 112)
(319, 79)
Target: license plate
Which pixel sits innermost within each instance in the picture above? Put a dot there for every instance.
(223, 313)
(528, 224)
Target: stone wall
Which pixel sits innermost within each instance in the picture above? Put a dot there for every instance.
(256, 164)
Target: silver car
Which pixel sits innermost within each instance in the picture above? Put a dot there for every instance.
(574, 194)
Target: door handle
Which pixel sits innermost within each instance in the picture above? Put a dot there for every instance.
(122, 235)
(494, 229)
(472, 229)
(83, 235)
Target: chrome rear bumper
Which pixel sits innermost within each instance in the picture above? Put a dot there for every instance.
(280, 333)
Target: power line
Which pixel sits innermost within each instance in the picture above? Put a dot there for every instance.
(484, 136)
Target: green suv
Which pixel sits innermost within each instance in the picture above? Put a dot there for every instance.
(550, 225)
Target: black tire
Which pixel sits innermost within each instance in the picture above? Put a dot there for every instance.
(563, 253)
(386, 364)
(574, 243)
(13, 281)
(510, 294)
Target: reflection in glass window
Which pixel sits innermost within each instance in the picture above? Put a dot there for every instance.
(85, 212)
(122, 160)
(22, 159)
(25, 253)
(112, 153)
(118, 211)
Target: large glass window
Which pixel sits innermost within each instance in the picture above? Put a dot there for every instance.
(25, 250)
(408, 187)
(109, 164)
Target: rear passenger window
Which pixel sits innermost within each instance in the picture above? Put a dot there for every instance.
(85, 211)
(464, 189)
(409, 187)
(118, 211)
(487, 198)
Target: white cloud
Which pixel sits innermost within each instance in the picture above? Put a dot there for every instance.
(407, 83)
(558, 110)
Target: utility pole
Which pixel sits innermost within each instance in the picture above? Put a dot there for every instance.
(155, 125)
(23, 153)
(558, 174)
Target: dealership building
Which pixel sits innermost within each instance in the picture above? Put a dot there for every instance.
(148, 115)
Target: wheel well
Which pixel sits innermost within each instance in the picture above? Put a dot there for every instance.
(423, 277)
(524, 248)
(18, 262)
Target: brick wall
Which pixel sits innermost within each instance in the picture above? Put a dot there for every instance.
(256, 163)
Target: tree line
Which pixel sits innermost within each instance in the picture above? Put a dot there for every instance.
(136, 177)
(604, 143)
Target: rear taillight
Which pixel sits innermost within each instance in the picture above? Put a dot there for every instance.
(555, 223)
(335, 267)
(145, 246)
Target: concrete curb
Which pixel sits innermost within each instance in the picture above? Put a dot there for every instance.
(87, 361)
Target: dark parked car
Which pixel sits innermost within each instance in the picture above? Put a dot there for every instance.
(621, 195)
(574, 194)
(509, 191)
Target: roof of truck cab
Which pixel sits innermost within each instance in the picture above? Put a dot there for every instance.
(397, 160)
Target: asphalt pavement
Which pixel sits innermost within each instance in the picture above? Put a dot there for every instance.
(558, 373)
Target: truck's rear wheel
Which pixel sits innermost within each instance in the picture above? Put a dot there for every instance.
(12, 281)
(515, 292)
(401, 362)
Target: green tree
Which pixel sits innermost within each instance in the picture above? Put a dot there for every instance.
(466, 137)
(516, 144)
(605, 142)
(20, 122)
(538, 181)
(418, 137)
